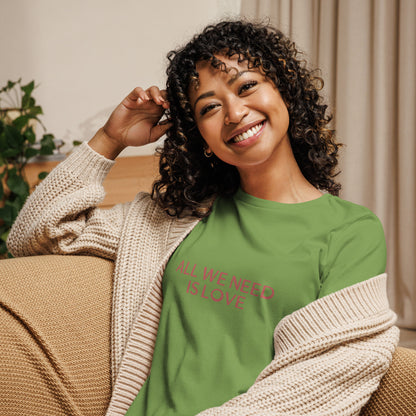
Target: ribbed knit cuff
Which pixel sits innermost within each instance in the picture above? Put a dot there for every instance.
(363, 302)
(87, 164)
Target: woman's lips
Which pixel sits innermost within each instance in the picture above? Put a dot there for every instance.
(249, 136)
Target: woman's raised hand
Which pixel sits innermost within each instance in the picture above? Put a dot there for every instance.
(134, 122)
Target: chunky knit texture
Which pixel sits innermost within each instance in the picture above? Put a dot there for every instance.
(330, 355)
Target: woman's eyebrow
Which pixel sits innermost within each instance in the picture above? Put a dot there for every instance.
(237, 75)
(204, 95)
(230, 82)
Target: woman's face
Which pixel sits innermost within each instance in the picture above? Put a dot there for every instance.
(240, 114)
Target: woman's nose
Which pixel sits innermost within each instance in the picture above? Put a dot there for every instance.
(235, 111)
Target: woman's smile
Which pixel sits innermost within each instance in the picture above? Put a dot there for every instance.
(247, 135)
(239, 113)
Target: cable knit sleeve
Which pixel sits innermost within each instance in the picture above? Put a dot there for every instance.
(60, 216)
(329, 357)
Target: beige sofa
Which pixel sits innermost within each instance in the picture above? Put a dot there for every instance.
(55, 315)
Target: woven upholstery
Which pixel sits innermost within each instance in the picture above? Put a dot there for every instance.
(55, 335)
(55, 342)
(396, 395)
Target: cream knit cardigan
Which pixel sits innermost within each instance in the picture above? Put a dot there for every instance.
(329, 356)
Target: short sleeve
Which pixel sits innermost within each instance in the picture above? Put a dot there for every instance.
(356, 252)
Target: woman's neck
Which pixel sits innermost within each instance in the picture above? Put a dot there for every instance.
(280, 181)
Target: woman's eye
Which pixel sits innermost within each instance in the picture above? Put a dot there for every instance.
(246, 86)
(207, 108)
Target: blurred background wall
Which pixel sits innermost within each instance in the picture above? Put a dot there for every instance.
(86, 55)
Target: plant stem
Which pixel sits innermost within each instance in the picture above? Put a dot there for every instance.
(18, 99)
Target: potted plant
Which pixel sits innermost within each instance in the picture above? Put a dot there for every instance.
(19, 115)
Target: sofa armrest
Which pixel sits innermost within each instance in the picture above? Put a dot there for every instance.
(55, 316)
(396, 395)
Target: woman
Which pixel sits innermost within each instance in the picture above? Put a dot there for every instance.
(273, 291)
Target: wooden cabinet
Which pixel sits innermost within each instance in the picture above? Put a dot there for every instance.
(128, 176)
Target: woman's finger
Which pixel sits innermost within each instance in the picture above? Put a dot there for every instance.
(153, 93)
(137, 96)
(143, 96)
(158, 131)
(156, 95)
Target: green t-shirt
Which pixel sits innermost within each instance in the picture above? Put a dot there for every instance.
(231, 281)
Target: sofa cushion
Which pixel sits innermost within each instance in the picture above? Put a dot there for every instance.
(55, 314)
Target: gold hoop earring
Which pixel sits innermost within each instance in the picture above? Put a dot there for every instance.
(207, 154)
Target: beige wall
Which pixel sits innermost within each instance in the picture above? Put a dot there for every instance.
(87, 54)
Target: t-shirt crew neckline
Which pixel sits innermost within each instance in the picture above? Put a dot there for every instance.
(265, 203)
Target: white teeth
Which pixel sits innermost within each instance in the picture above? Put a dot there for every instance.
(246, 134)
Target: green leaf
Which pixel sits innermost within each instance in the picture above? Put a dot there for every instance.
(3, 229)
(76, 143)
(4, 234)
(30, 135)
(47, 144)
(3, 247)
(10, 85)
(43, 175)
(8, 214)
(18, 185)
(3, 141)
(48, 139)
(35, 110)
(20, 200)
(20, 121)
(28, 88)
(1, 189)
(17, 203)
(9, 153)
(13, 136)
(31, 152)
(28, 101)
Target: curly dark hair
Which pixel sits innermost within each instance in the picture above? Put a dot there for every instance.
(189, 180)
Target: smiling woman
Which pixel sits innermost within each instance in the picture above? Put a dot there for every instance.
(243, 284)
(231, 78)
(244, 122)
